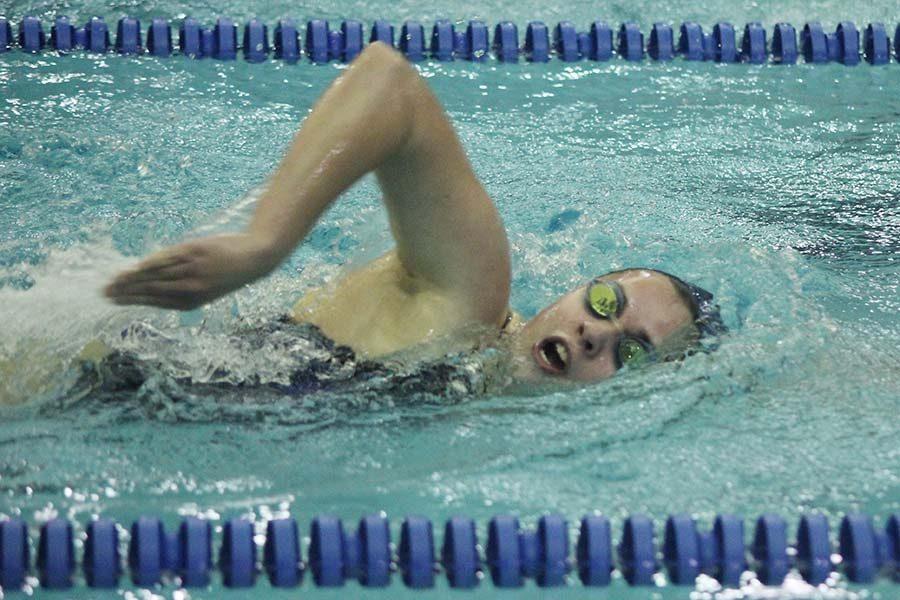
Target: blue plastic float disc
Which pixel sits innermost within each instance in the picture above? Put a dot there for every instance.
(753, 44)
(128, 36)
(352, 40)
(724, 43)
(477, 44)
(460, 44)
(537, 42)
(631, 42)
(529, 552)
(62, 35)
(171, 551)
(770, 549)
(352, 556)
(594, 551)
(503, 556)
(281, 553)
(690, 41)
(637, 555)
(601, 41)
(56, 555)
(101, 554)
(506, 42)
(553, 551)
(96, 35)
(416, 553)
(813, 548)
(565, 42)
(146, 551)
(709, 47)
(897, 42)
(375, 552)
(195, 545)
(891, 559)
(833, 45)
(256, 41)
(412, 40)
(442, 40)
(459, 553)
(190, 38)
(207, 42)
(31, 34)
(584, 44)
(224, 39)
(661, 45)
(286, 41)
(681, 550)
(13, 550)
(335, 44)
(784, 44)
(728, 532)
(382, 31)
(159, 38)
(237, 556)
(858, 548)
(6, 35)
(326, 552)
(80, 37)
(847, 43)
(814, 43)
(877, 46)
(317, 40)
(709, 558)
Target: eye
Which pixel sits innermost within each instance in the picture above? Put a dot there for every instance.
(632, 352)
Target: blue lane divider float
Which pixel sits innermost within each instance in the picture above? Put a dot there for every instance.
(784, 44)
(662, 44)
(631, 42)
(321, 44)
(512, 554)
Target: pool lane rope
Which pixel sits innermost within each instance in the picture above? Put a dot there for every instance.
(511, 556)
(473, 42)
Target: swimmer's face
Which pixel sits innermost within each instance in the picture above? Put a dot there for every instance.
(567, 341)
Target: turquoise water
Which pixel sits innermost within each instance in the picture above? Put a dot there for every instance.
(775, 188)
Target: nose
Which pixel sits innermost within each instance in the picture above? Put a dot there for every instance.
(594, 336)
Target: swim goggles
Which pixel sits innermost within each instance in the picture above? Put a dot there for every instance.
(606, 300)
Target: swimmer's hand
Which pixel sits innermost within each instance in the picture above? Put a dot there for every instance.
(188, 275)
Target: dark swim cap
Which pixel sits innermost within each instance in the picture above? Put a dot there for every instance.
(705, 312)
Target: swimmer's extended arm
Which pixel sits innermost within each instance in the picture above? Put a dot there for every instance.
(379, 116)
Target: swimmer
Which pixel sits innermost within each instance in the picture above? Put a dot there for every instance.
(448, 278)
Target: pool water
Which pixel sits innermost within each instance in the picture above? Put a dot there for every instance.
(774, 187)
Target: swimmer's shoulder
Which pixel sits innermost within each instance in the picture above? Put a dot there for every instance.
(380, 309)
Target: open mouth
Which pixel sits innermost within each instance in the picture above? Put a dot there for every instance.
(552, 355)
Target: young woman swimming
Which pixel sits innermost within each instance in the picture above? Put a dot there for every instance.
(447, 282)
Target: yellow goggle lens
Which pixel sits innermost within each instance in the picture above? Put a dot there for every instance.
(632, 352)
(603, 300)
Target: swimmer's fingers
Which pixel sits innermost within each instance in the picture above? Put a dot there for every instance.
(186, 291)
(150, 268)
(181, 294)
(191, 274)
(172, 271)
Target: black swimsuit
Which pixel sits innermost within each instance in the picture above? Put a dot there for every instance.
(311, 367)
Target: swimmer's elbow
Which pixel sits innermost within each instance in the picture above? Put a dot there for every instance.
(383, 55)
(388, 65)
